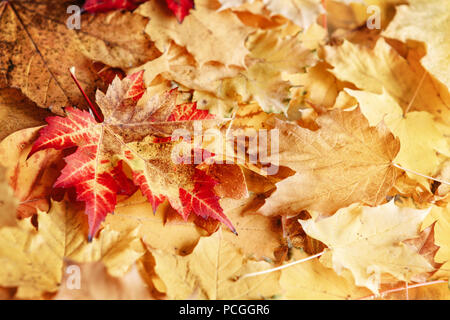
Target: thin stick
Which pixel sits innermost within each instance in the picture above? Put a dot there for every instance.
(420, 174)
(415, 93)
(324, 18)
(423, 284)
(254, 274)
(91, 106)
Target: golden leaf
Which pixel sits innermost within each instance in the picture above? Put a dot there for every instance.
(210, 272)
(420, 137)
(343, 162)
(382, 67)
(433, 28)
(8, 203)
(38, 48)
(32, 260)
(368, 242)
(311, 280)
(207, 34)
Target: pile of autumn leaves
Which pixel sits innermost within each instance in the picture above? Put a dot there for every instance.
(363, 123)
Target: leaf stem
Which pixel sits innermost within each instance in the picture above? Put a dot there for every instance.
(91, 105)
(254, 274)
(420, 174)
(415, 93)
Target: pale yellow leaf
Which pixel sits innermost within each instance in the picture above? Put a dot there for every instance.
(368, 242)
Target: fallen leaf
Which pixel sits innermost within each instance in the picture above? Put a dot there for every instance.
(343, 162)
(368, 242)
(210, 272)
(8, 203)
(94, 6)
(420, 138)
(311, 280)
(31, 178)
(208, 35)
(127, 135)
(38, 48)
(410, 23)
(382, 67)
(180, 8)
(96, 284)
(32, 260)
(17, 112)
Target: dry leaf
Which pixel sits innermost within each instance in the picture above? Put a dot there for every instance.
(311, 280)
(343, 162)
(427, 21)
(33, 259)
(8, 203)
(368, 242)
(208, 35)
(31, 178)
(96, 284)
(38, 48)
(17, 112)
(382, 67)
(210, 272)
(420, 138)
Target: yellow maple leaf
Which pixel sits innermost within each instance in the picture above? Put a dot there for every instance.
(382, 67)
(270, 58)
(311, 280)
(441, 216)
(427, 21)
(420, 138)
(32, 260)
(96, 284)
(343, 162)
(210, 272)
(8, 203)
(368, 242)
(207, 34)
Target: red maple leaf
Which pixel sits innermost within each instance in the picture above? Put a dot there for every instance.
(180, 8)
(127, 135)
(93, 6)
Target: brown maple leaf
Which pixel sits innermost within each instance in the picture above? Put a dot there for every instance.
(343, 162)
(38, 48)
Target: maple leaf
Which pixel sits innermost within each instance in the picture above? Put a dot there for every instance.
(311, 280)
(38, 67)
(17, 112)
(418, 152)
(217, 33)
(301, 12)
(368, 242)
(125, 135)
(107, 5)
(382, 67)
(177, 64)
(8, 203)
(33, 259)
(97, 284)
(203, 276)
(433, 30)
(31, 179)
(343, 162)
(271, 58)
(440, 217)
(180, 8)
